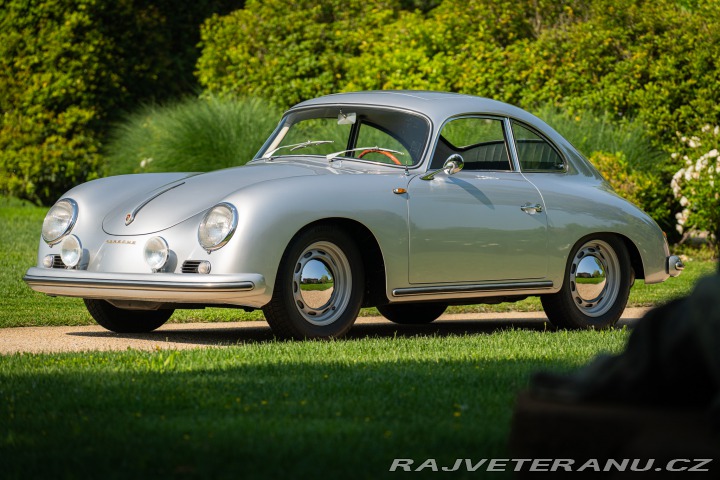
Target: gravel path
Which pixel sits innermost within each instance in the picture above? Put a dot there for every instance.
(203, 335)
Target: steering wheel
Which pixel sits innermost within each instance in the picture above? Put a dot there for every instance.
(387, 154)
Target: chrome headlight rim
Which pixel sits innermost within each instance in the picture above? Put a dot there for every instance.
(230, 232)
(69, 225)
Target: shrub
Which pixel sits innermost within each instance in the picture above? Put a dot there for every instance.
(194, 134)
(658, 61)
(288, 54)
(694, 185)
(69, 67)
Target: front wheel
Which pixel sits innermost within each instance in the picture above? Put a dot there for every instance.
(319, 288)
(596, 286)
(121, 320)
(412, 313)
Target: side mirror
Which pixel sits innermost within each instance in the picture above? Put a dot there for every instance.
(452, 165)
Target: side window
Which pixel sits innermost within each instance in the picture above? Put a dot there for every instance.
(480, 141)
(534, 152)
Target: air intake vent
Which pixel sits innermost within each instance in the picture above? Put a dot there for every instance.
(190, 266)
(57, 262)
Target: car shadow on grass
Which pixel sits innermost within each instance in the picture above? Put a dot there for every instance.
(175, 333)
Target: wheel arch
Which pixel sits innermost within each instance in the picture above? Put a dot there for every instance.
(635, 258)
(372, 257)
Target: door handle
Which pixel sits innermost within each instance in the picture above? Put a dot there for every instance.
(531, 209)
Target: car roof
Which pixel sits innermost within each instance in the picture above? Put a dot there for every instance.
(440, 106)
(436, 105)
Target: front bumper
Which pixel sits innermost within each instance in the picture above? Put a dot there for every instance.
(243, 289)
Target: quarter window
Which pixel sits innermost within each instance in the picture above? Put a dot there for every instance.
(534, 152)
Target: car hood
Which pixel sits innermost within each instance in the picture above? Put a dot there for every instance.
(172, 203)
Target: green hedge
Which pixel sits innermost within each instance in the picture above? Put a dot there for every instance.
(657, 60)
(68, 68)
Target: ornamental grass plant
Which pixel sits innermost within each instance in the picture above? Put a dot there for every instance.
(190, 135)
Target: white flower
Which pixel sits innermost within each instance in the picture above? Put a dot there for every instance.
(145, 161)
(713, 153)
(679, 228)
(674, 155)
(684, 201)
(706, 128)
(694, 142)
(716, 131)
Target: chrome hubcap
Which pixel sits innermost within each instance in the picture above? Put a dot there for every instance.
(595, 278)
(322, 283)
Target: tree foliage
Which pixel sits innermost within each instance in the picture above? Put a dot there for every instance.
(69, 67)
(657, 60)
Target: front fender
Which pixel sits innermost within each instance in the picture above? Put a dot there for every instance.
(272, 213)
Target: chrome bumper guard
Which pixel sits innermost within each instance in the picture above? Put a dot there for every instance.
(237, 289)
(674, 266)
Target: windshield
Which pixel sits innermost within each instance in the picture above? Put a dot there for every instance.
(375, 135)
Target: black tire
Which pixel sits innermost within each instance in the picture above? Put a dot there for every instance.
(592, 300)
(120, 320)
(412, 313)
(326, 311)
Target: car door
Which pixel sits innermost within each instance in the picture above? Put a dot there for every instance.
(485, 223)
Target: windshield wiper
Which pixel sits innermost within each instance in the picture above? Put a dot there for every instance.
(298, 146)
(330, 157)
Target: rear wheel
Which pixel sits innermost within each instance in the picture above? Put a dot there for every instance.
(597, 283)
(412, 313)
(319, 288)
(122, 320)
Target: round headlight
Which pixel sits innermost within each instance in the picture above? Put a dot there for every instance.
(156, 253)
(71, 251)
(217, 226)
(59, 221)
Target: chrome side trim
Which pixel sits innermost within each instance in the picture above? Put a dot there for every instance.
(487, 287)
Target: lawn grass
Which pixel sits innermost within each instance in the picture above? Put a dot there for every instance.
(19, 306)
(335, 409)
(265, 409)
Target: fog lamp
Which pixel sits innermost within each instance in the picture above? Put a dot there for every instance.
(71, 251)
(156, 253)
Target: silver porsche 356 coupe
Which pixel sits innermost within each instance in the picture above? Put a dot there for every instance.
(407, 201)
